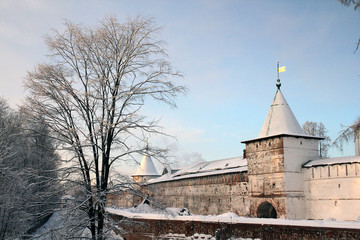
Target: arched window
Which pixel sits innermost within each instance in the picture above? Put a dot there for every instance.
(266, 210)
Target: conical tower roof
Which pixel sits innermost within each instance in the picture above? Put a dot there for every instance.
(280, 119)
(147, 167)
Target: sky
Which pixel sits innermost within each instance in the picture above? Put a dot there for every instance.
(227, 52)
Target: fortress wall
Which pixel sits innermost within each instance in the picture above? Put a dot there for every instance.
(121, 199)
(215, 194)
(332, 191)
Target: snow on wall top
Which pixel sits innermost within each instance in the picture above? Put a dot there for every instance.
(146, 168)
(280, 119)
(229, 165)
(332, 161)
(233, 218)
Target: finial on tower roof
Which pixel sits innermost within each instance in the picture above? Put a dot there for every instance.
(147, 145)
(278, 84)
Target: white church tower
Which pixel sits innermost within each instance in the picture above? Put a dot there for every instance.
(146, 170)
(275, 162)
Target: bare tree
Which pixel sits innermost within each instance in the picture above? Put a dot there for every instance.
(348, 3)
(91, 93)
(319, 130)
(28, 185)
(347, 134)
(356, 4)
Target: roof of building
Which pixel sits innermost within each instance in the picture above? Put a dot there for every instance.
(281, 121)
(332, 161)
(229, 165)
(147, 167)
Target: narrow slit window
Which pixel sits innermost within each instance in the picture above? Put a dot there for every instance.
(312, 172)
(346, 169)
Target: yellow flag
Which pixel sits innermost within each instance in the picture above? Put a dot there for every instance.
(282, 69)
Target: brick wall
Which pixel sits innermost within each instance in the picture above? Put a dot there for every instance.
(143, 229)
(205, 195)
(266, 174)
(122, 199)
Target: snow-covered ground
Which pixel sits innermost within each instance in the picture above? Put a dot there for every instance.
(146, 212)
(63, 224)
(54, 226)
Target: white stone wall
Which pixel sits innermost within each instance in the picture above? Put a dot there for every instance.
(332, 191)
(297, 151)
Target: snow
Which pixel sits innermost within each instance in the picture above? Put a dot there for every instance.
(59, 223)
(332, 161)
(148, 211)
(280, 119)
(229, 165)
(157, 214)
(198, 236)
(54, 225)
(146, 168)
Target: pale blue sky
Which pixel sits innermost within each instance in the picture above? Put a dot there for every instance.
(227, 51)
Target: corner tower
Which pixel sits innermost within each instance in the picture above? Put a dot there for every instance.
(146, 170)
(274, 163)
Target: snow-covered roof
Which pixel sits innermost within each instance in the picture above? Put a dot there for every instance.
(332, 161)
(146, 168)
(229, 165)
(280, 120)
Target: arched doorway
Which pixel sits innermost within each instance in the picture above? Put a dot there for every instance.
(266, 210)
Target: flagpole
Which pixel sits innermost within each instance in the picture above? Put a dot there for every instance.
(278, 84)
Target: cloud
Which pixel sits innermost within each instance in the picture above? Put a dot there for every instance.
(186, 159)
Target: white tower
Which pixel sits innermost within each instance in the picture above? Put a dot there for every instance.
(146, 170)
